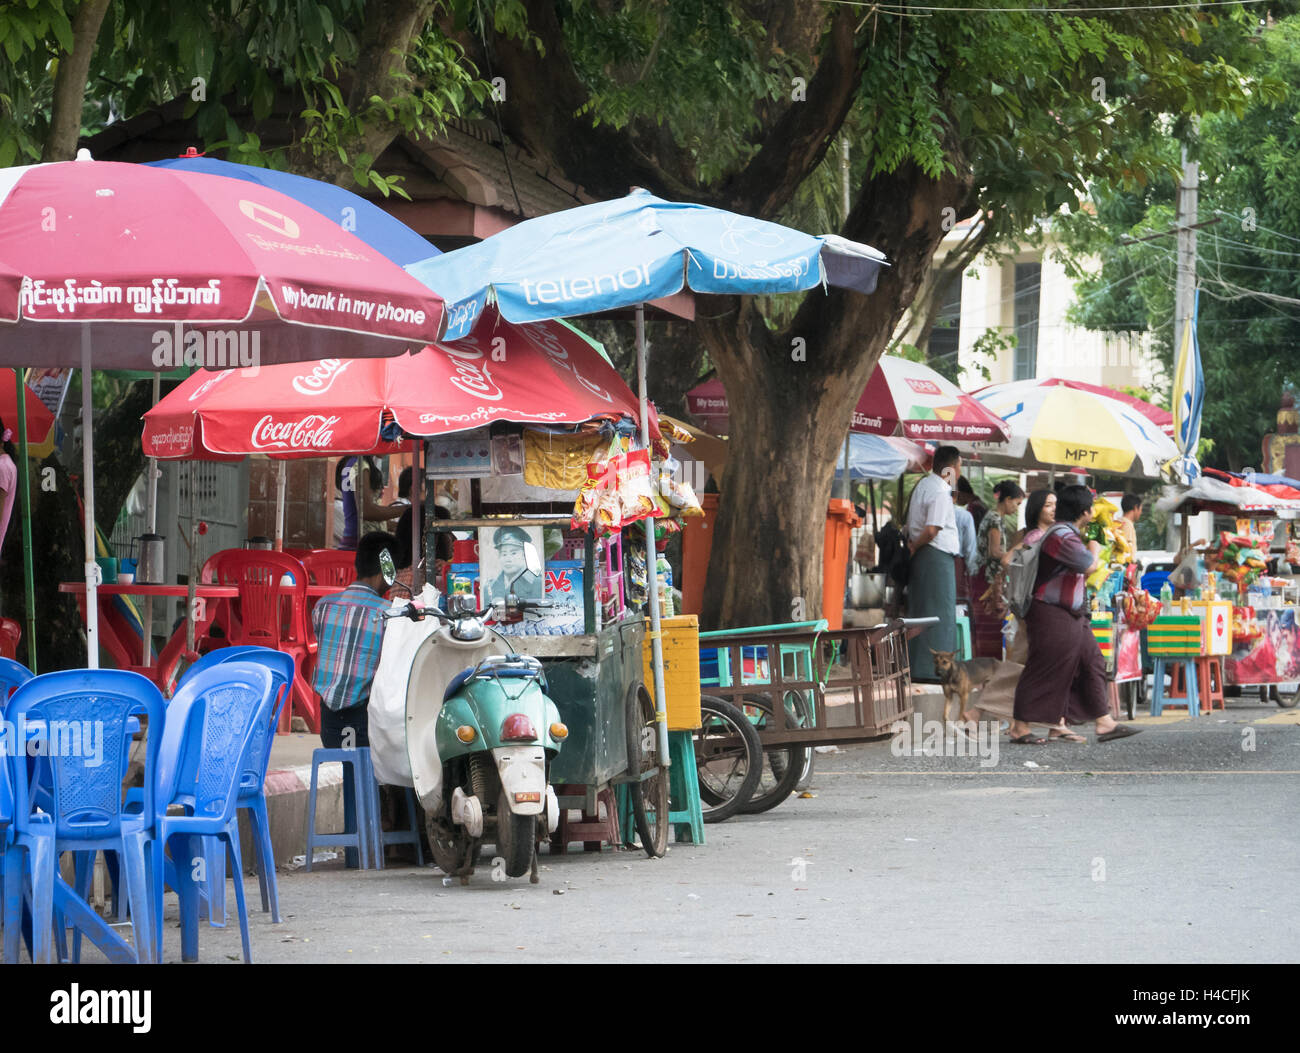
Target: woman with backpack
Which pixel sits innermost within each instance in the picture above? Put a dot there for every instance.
(1065, 675)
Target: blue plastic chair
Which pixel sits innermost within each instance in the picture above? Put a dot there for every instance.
(252, 779)
(86, 814)
(210, 721)
(12, 676)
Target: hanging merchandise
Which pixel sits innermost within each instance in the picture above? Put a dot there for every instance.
(636, 576)
(559, 462)
(636, 495)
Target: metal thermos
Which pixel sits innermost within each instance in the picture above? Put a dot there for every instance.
(149, 562)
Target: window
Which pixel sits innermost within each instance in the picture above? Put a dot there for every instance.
(944, 337)
(1029, 280)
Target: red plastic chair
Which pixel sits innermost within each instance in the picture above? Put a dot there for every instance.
(329, 566)
(261, 618)
(11, 632)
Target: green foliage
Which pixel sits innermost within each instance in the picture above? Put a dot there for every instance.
(1250, 285)
(226, 54)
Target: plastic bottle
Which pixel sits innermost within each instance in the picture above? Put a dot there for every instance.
(664, 570)
(1166, 595)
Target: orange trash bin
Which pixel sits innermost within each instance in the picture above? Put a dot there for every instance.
(840, 521)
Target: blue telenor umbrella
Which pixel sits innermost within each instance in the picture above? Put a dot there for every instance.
(353, 213)
(637, 248)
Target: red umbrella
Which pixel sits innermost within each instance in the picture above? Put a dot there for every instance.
(245, 268)
(39, 419)
(543, 373)
(131, 267)
(901, 398)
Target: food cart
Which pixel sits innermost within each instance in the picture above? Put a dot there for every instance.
(1250, 616)
(584, 585)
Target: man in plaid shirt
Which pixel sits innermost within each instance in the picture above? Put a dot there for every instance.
(349, 633)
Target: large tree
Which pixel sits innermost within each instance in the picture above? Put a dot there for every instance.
(1010, 113)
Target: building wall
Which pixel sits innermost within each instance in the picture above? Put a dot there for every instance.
(988, 301)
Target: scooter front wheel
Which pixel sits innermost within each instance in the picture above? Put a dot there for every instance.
(516, 838)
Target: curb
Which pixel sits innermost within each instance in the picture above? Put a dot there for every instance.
(287, 791)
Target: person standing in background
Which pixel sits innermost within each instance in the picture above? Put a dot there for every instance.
(8, 479)
(967, 499)
(362, 512)
(968, 548)
(1130, 512)
(933, 544)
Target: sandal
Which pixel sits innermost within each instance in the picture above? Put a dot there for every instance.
(1067, 736)
(1027, 740)
(1121, 731)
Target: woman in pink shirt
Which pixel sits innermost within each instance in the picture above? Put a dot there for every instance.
(8, 480)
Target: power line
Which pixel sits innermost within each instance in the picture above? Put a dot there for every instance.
(918, 10)
(1260, 226)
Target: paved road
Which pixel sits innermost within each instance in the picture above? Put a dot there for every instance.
(1176, 845)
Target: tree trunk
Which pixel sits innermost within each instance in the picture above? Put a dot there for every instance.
(70, 83)
(791, 398)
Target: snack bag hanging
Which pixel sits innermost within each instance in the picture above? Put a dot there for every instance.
(635, 492)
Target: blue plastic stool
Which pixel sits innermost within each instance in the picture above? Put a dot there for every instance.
(384, 838)
(1158, 698)
(360, 813)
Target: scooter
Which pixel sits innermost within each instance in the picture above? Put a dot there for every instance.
(480, 737)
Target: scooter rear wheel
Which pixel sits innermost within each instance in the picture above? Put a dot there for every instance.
(452, 849)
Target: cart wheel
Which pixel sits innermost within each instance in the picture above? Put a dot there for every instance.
(783, 765)
(649, 794)
(728, 758)
(1285, 699)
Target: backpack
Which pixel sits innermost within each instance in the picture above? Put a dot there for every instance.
(1022, 574)
(892, 551)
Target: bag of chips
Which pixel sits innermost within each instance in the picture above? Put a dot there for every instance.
(635, 493)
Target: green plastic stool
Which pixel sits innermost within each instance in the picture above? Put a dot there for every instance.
(683, 788)
(963, 638)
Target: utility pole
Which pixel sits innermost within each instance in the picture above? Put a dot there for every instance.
(1185, 284)
(1185, 281)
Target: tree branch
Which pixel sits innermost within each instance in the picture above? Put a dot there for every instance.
(797, 141)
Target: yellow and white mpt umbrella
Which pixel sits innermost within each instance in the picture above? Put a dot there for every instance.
(1054, 426)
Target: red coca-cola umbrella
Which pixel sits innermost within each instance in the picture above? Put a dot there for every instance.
(542, 373)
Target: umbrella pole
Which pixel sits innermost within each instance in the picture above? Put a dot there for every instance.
(651, 555)
(29, 574)
(281, 475)
(88, 504)
(848, 491)
(192, 578)
(151, 517)
(417, 498)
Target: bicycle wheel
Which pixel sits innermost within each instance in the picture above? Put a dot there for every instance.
(728, 758)
(783, 766)
(650, 792)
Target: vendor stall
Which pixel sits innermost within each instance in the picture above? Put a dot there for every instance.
(1249, 614)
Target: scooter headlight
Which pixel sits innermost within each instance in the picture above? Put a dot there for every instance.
(559, 731)
(466, 734)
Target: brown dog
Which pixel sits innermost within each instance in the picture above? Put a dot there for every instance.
(960, 678)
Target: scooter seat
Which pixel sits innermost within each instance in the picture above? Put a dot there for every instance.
(457, 682)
